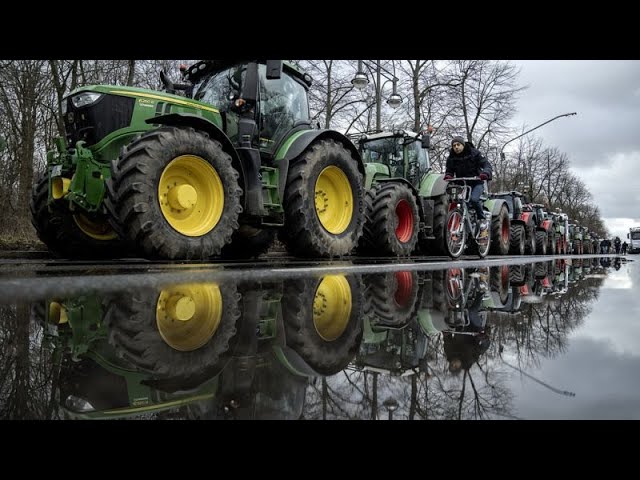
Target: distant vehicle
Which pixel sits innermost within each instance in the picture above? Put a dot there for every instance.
(634, 239)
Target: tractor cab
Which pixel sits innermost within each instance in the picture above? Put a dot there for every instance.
(402, 152)
(274, 96)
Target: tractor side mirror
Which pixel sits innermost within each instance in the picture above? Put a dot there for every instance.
(274, 69)
(627, 235)
(426, 140)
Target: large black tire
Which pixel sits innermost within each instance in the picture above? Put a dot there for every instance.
(59, 229)
(134, 332)
(301, 303)
(517, 239)
(391, 225)
(517, 275)
(135, 204)
(530, 239)
(541, 242)
(500, 232)
(304, 234)
(249, 242)
(500, 282)
(552, 242)
(392, 298)
(438, 246)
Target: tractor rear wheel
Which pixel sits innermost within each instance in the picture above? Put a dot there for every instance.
(71, 235)
(541, 243)
(323, 320)
(500, 232)
(517, 239)
(323, 202)
(174, 194)
(391, 225)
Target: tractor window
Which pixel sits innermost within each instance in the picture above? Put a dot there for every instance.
(220, 88)
(635, 235)
(283, 102)
(387, 151)
(418, 162)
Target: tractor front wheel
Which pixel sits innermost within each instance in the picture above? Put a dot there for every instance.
(500, 232)
(391, 226)
(71, 235)
(323, 320)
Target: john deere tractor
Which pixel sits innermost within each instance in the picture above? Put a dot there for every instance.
(225, 164)
(406, 201)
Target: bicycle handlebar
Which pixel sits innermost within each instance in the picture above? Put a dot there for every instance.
(462, 178)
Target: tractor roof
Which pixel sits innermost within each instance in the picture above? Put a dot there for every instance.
(203, 67)
(400, 133)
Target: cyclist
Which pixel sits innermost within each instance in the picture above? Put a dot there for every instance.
(466, 161)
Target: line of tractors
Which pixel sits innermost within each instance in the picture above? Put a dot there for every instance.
(250, 348)
(226, 162)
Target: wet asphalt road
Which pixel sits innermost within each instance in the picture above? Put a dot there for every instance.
(27, 276)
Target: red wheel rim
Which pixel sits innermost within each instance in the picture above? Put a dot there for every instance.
(405, 286)
(404, 231)
(505, 232)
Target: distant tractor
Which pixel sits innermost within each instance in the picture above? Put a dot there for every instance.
(225, 165)
(561, 226)
(406, 201)
(545, 230)
(522, 237)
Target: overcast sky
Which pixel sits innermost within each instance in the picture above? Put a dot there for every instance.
(603, 140)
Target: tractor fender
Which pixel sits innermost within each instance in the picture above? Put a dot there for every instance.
(299, 141)
(433, 185)
(494, 205)
(204, 125)
(525, 216)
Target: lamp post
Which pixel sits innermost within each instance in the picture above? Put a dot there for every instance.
(502, 156)
(360, 81)
(531, 130)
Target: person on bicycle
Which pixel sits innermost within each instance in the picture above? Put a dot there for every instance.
(466, 161)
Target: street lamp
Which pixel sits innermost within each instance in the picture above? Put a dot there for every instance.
(391, 404)
(360, 81)
(531, 130)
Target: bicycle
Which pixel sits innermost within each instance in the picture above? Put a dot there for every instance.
(461, 223)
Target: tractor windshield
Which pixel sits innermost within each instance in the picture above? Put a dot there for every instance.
(635, 235)
(220, 88)
(387, 151)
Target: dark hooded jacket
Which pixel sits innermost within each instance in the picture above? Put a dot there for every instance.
(470, 163)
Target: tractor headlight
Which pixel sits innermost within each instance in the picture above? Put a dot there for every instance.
(85, 98)
(63, 106)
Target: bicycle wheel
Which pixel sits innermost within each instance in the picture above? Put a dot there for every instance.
(456, 234)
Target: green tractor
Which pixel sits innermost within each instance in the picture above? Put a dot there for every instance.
(222, 167)
(406, 201)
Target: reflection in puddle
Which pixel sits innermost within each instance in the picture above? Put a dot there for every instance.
(406, 344)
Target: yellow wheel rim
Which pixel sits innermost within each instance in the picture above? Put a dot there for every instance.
(191, 195)
(187, 316)
(97, 229)
(334, 200)
(332, 307)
